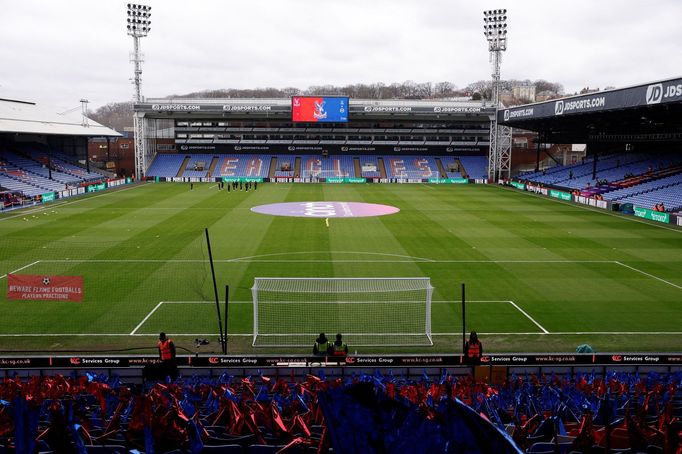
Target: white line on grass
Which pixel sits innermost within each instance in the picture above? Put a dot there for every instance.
(22, 268)
(650, 275)
(557, 333)
(298, 302)
(529, 317)
(248, 260)
(576, 333)
(145, 319)
(58, 205)
(412, 261)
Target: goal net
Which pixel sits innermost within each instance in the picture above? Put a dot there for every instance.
(292, 312)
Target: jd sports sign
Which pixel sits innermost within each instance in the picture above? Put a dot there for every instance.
(666, 91)
(562, 106)
(559, 108)
(656, 93)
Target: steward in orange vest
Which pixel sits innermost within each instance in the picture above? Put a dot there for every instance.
(168, 367)
(473, 349)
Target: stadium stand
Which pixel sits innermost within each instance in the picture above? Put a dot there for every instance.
(166, 165)
(243, 166)
(34, 167)
(450, 162)
(285, 166)
(622, 178)
(17, 184)
(666, 190)
(32, 172)
(475, 166)
(411, 167)
(369, 167)
(553, 413)
(197, 166)
(316, 166)
(61, 163)
(32, 183)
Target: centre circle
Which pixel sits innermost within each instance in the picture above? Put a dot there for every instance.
(325, 209)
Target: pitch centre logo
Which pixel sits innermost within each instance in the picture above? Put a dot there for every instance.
(325, 209)
(559, 107)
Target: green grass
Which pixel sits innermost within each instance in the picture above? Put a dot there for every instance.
(579, 274)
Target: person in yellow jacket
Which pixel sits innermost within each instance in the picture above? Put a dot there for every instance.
(321, 345)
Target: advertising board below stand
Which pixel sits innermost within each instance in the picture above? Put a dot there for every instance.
(448, 180)
(354, 361)
(345, 180)
(242, 180)
(652, 215)
(561, 195)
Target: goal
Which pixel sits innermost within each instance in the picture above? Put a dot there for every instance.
(292, 312)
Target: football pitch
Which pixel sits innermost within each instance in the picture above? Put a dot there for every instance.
(540, 275)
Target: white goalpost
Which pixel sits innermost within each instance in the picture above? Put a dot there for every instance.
(292, 312)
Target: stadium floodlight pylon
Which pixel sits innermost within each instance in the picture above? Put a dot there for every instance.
(139, 26)
(291, 312)
(499, 154)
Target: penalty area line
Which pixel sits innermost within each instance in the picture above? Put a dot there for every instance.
(132, 333)
(19, 269)
(544, 331)
(649, 275)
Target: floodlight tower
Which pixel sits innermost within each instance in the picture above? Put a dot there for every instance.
(139, 26)
(499, 156)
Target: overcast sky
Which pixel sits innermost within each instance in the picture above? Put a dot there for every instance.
(56, 52)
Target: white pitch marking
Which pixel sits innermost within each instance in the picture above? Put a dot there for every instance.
(650, 275)
(22, 268)
(249, 260)
(49, 207)
(534, 333)
(246, 258)
(577, 333)
(145, 319)
(529, 317)
(297, 302)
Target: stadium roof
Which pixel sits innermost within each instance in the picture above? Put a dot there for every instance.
(281, 108)
(28, 118)
(646, 113)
